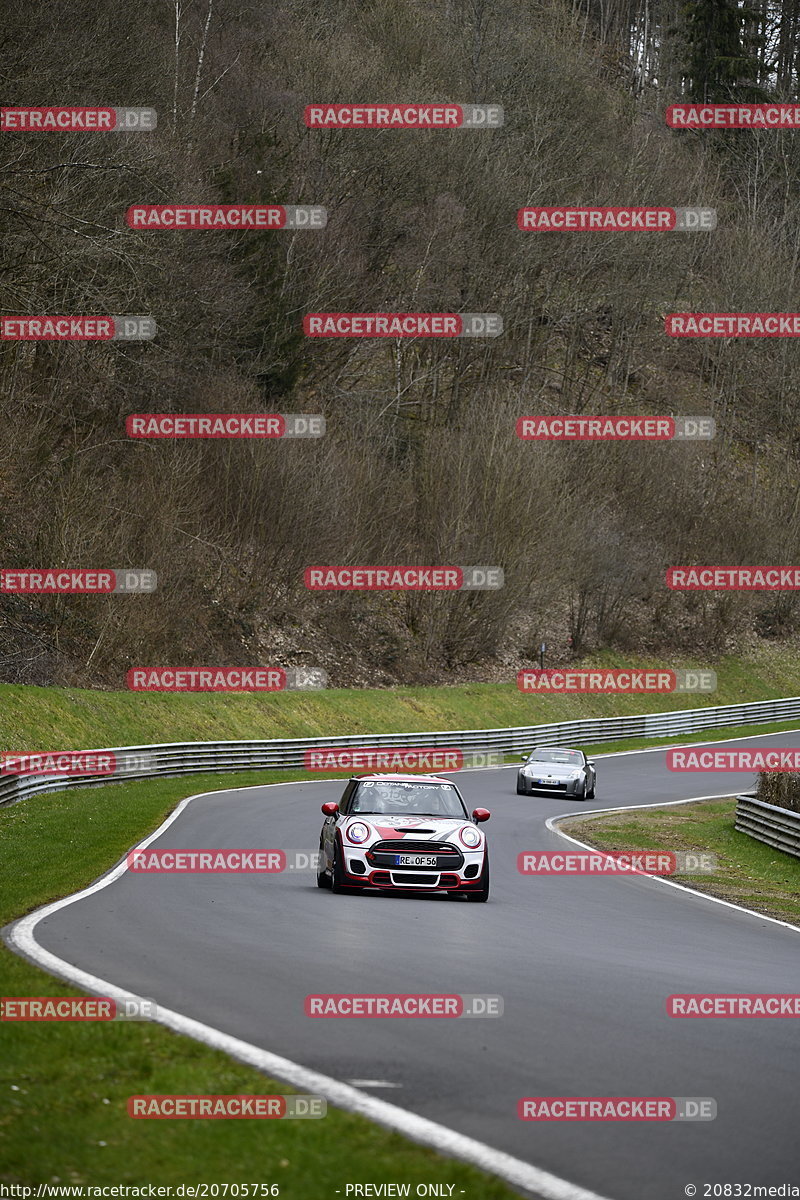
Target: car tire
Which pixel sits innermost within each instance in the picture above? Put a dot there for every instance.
(481, 896)
(590, 795)
(338, 884)
(323, 876)
(581, 795)
(520, 788)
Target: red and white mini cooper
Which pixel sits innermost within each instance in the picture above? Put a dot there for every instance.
(403, 833)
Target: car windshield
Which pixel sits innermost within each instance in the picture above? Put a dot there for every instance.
(407, 798)
(568, 758)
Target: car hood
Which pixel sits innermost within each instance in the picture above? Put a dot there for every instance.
(417, 829)
(543, 770)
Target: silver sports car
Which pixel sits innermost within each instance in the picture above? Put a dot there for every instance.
(555, 769)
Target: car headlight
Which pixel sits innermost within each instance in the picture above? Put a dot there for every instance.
(358, 832)
(470, 837)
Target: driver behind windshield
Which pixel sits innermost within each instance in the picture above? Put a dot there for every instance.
(423, 801)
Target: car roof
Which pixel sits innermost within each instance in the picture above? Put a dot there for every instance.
(571, 749)
(404, 778)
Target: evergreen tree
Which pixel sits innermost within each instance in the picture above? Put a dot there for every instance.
(718, 65)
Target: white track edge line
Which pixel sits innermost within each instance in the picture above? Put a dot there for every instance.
(549, 824)
(513, 1171)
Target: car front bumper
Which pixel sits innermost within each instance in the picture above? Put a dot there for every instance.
(563, 787)
(449, 875)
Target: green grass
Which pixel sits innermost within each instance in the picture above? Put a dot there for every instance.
(64, 1087)
(749, 873)
(37, 718)
(701, 735)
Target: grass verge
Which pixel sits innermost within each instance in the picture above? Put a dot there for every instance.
(663, 743)
(749, 872)
(48, 718)
(64, 1087)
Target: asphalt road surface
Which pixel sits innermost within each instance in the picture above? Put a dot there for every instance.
(584, 966)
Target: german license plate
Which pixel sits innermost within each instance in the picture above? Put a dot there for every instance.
(415, 860)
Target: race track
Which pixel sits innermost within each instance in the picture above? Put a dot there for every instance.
(584, 966)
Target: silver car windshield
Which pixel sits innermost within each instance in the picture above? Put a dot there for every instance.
(568, 758)
(401, 798)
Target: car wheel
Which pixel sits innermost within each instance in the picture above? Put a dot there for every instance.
(520, 787)
(323, 876)
(483, 895)
(581, 795)
(338, 884)
(590, 795)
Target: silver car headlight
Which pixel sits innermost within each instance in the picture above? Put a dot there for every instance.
(470, 837)
(358, 832)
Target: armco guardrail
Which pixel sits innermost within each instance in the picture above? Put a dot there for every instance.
(184, 758)
(778, 827)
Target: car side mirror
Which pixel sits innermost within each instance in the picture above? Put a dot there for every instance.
(523, 758)
(590, 762)
(330, 808)
(480, 814)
